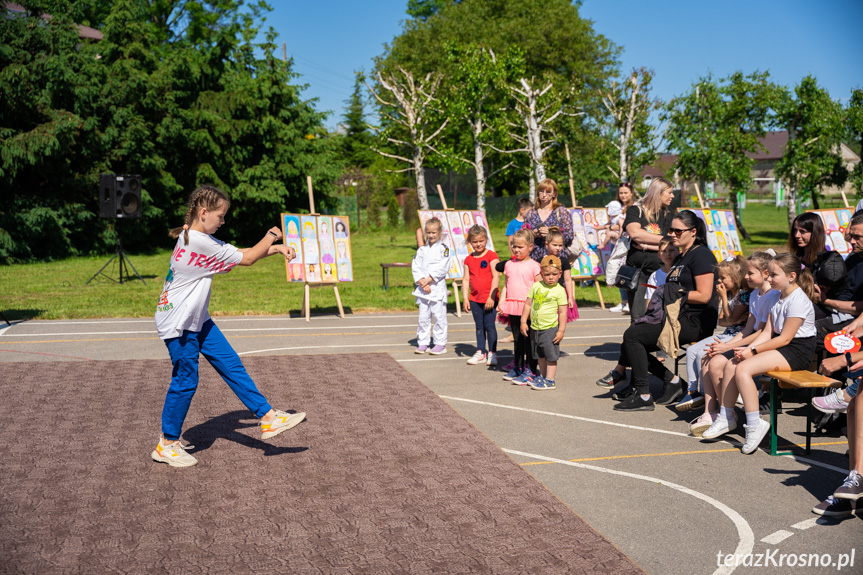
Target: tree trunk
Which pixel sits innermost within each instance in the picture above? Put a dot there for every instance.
(791, 203)
(531, 186)
(422, 196)
(480, 175)
(815, 205)
(736, 209)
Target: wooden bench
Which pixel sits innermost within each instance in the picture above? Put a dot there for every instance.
(385, 270)
(795, 380)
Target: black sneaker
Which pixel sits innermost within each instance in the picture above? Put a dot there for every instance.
(832, 507)
(610, 380)
(851, 489)
(671, 392)
(635, 403)
(624, 393)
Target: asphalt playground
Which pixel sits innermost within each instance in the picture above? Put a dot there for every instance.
(673, 503)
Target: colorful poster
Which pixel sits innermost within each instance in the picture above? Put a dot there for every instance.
(722, 238)
(343, 248)
(835, 224)
(591, 262)
(479, 219)
(459, 235)
(311, 250)
(291, 233)
(322, 244)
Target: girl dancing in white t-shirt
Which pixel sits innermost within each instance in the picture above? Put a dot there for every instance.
(184, 323)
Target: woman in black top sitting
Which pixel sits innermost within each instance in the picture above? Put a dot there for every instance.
(807, 241)
(694, 274)
(646, 223)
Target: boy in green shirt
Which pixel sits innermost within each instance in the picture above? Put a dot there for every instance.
(546, 308)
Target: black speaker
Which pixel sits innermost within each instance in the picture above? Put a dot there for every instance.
(119, 196)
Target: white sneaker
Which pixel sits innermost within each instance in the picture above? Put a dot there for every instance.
(720, 427)
(754, 435)
(832, 403)
(701, 423)
(491, 360)
(617, 309)
(281, 422)
(477, 358)
(174, 455)
(625, 308)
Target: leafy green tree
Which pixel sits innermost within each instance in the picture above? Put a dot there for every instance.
(717, 126)
(812, 158)
(177, 92)
(854, 115)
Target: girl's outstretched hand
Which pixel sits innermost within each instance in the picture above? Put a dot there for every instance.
(277, 231)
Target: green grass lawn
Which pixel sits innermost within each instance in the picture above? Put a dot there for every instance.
(57, 290)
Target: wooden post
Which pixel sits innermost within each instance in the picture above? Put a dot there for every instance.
(456, 287)
(571, 184)
(698, 193)
(845, 198)
(311, 195)
(306, 303)
(442, 198)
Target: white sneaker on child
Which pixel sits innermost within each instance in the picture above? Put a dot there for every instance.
(491, 360)
(754, 435)
(720, 427)
(616, 309)
(477, 358)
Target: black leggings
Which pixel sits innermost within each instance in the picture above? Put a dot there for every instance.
(639, 340)
(521, 344)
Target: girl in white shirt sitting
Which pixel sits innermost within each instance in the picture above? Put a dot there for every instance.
(785, 343)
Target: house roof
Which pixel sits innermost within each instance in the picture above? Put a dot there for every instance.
(774, 146)
(660, 167)
(83, 31)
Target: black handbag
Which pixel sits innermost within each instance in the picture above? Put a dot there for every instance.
(628, 277)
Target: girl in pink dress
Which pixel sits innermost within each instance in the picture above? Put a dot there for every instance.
(520, 273)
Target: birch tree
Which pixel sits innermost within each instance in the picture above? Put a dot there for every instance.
(475, 90)
(408, 122)
(629, 105)
(536, 110)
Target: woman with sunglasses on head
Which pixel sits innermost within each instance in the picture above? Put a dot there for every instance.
(693, 274)
(646, 224)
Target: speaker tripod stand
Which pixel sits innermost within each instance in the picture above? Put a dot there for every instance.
(123, 265)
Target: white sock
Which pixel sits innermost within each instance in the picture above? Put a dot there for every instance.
(726, 413)
(645, 397)
(675, 379)
(752, 418)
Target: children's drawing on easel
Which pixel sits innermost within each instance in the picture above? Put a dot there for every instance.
(839, 243)
(735, 241)
(708, 220)
(343, 249)
(346, 273)
(723, 248)
(291, 231)
(328, 248)
(844, 218)
(479, 219)
(311, 251)
(831, 222)
(729, 217)
(578, 225)
(458, 237)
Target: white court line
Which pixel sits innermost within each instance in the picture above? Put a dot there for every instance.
(804, 525)
(462, 358)
(734, 443)
(777, 537)
(744, 531)
(564, 415)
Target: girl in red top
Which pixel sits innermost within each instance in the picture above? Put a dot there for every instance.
(479, 291)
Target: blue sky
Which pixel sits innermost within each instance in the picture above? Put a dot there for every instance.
(680, 40)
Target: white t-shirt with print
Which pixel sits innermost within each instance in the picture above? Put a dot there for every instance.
(795, 305)
(760, 305)
(657, 279)
(186, 294)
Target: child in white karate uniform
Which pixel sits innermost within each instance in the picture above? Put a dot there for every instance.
(430, 266)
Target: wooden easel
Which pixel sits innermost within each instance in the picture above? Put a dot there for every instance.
(306, 290)
(698, 193)
(456, 283)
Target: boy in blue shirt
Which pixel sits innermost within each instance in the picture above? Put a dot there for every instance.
(524, 206)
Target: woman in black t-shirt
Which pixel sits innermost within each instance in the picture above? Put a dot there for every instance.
(646, 223)
(694, 271)
(807, 241)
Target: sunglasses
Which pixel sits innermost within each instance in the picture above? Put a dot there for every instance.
(678, 231)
